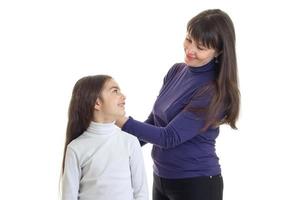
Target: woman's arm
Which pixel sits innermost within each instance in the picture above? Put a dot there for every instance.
(181, 128)
(121, 121)
(149, 120)
(71, 176)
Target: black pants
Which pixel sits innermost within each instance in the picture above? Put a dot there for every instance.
(198, 188)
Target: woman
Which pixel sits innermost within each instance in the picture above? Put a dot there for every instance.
(196, 97)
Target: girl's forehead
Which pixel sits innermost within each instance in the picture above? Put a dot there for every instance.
(111, 83)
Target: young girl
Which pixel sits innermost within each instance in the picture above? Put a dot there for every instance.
(100, 162)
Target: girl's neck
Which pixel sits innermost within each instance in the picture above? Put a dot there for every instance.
(103, 119)
(102, 128)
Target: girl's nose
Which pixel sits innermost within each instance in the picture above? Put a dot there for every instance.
(123, 96)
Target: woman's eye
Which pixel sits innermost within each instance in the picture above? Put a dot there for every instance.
(188, 39)
(201, 47)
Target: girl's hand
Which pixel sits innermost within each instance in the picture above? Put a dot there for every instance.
(121, 121)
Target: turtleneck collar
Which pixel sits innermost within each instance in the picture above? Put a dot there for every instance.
(101, 128)
(211, 65)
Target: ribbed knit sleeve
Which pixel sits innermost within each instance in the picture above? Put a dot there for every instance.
(138, 174)
(184, 126)
(71, 176)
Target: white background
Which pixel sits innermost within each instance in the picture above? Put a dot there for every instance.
(45, 46)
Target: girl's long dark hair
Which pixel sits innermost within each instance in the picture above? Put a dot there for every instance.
(81, 108)
(214, 29)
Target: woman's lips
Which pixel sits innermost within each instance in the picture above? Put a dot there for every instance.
(190, 58)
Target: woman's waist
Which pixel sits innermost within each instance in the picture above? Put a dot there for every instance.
(187, 163)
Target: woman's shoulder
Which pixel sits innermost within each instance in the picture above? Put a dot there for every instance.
(175, 69)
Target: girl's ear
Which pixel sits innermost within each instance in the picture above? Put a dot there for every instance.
(98, 105)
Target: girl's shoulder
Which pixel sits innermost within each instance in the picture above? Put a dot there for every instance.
(129, 139)
(78, 142)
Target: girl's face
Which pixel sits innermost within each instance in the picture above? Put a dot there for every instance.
(196, 55)
(112, 102)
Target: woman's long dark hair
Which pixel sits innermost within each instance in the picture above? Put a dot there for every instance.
(214, 29)
(81, 108)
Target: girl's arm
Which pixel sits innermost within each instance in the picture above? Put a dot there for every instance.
(71, 176)
(138, 175)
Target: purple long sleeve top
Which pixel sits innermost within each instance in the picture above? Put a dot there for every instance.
(180, 148)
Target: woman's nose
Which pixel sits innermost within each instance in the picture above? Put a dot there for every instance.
(190, 49)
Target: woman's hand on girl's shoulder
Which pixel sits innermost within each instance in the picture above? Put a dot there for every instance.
(121, 121)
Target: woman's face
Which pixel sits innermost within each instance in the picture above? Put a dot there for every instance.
(196, 55)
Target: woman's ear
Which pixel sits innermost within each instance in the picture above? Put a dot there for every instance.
(98, 105)
(218, 53)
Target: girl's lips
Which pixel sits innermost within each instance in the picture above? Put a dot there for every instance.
(122, 104)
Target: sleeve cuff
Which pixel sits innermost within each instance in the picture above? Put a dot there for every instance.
(126, 126)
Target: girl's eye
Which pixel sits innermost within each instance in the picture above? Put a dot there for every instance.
(115, 91)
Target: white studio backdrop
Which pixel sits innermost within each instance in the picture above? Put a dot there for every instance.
(45, 46)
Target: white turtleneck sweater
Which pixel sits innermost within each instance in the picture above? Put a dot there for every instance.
(104, 163)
